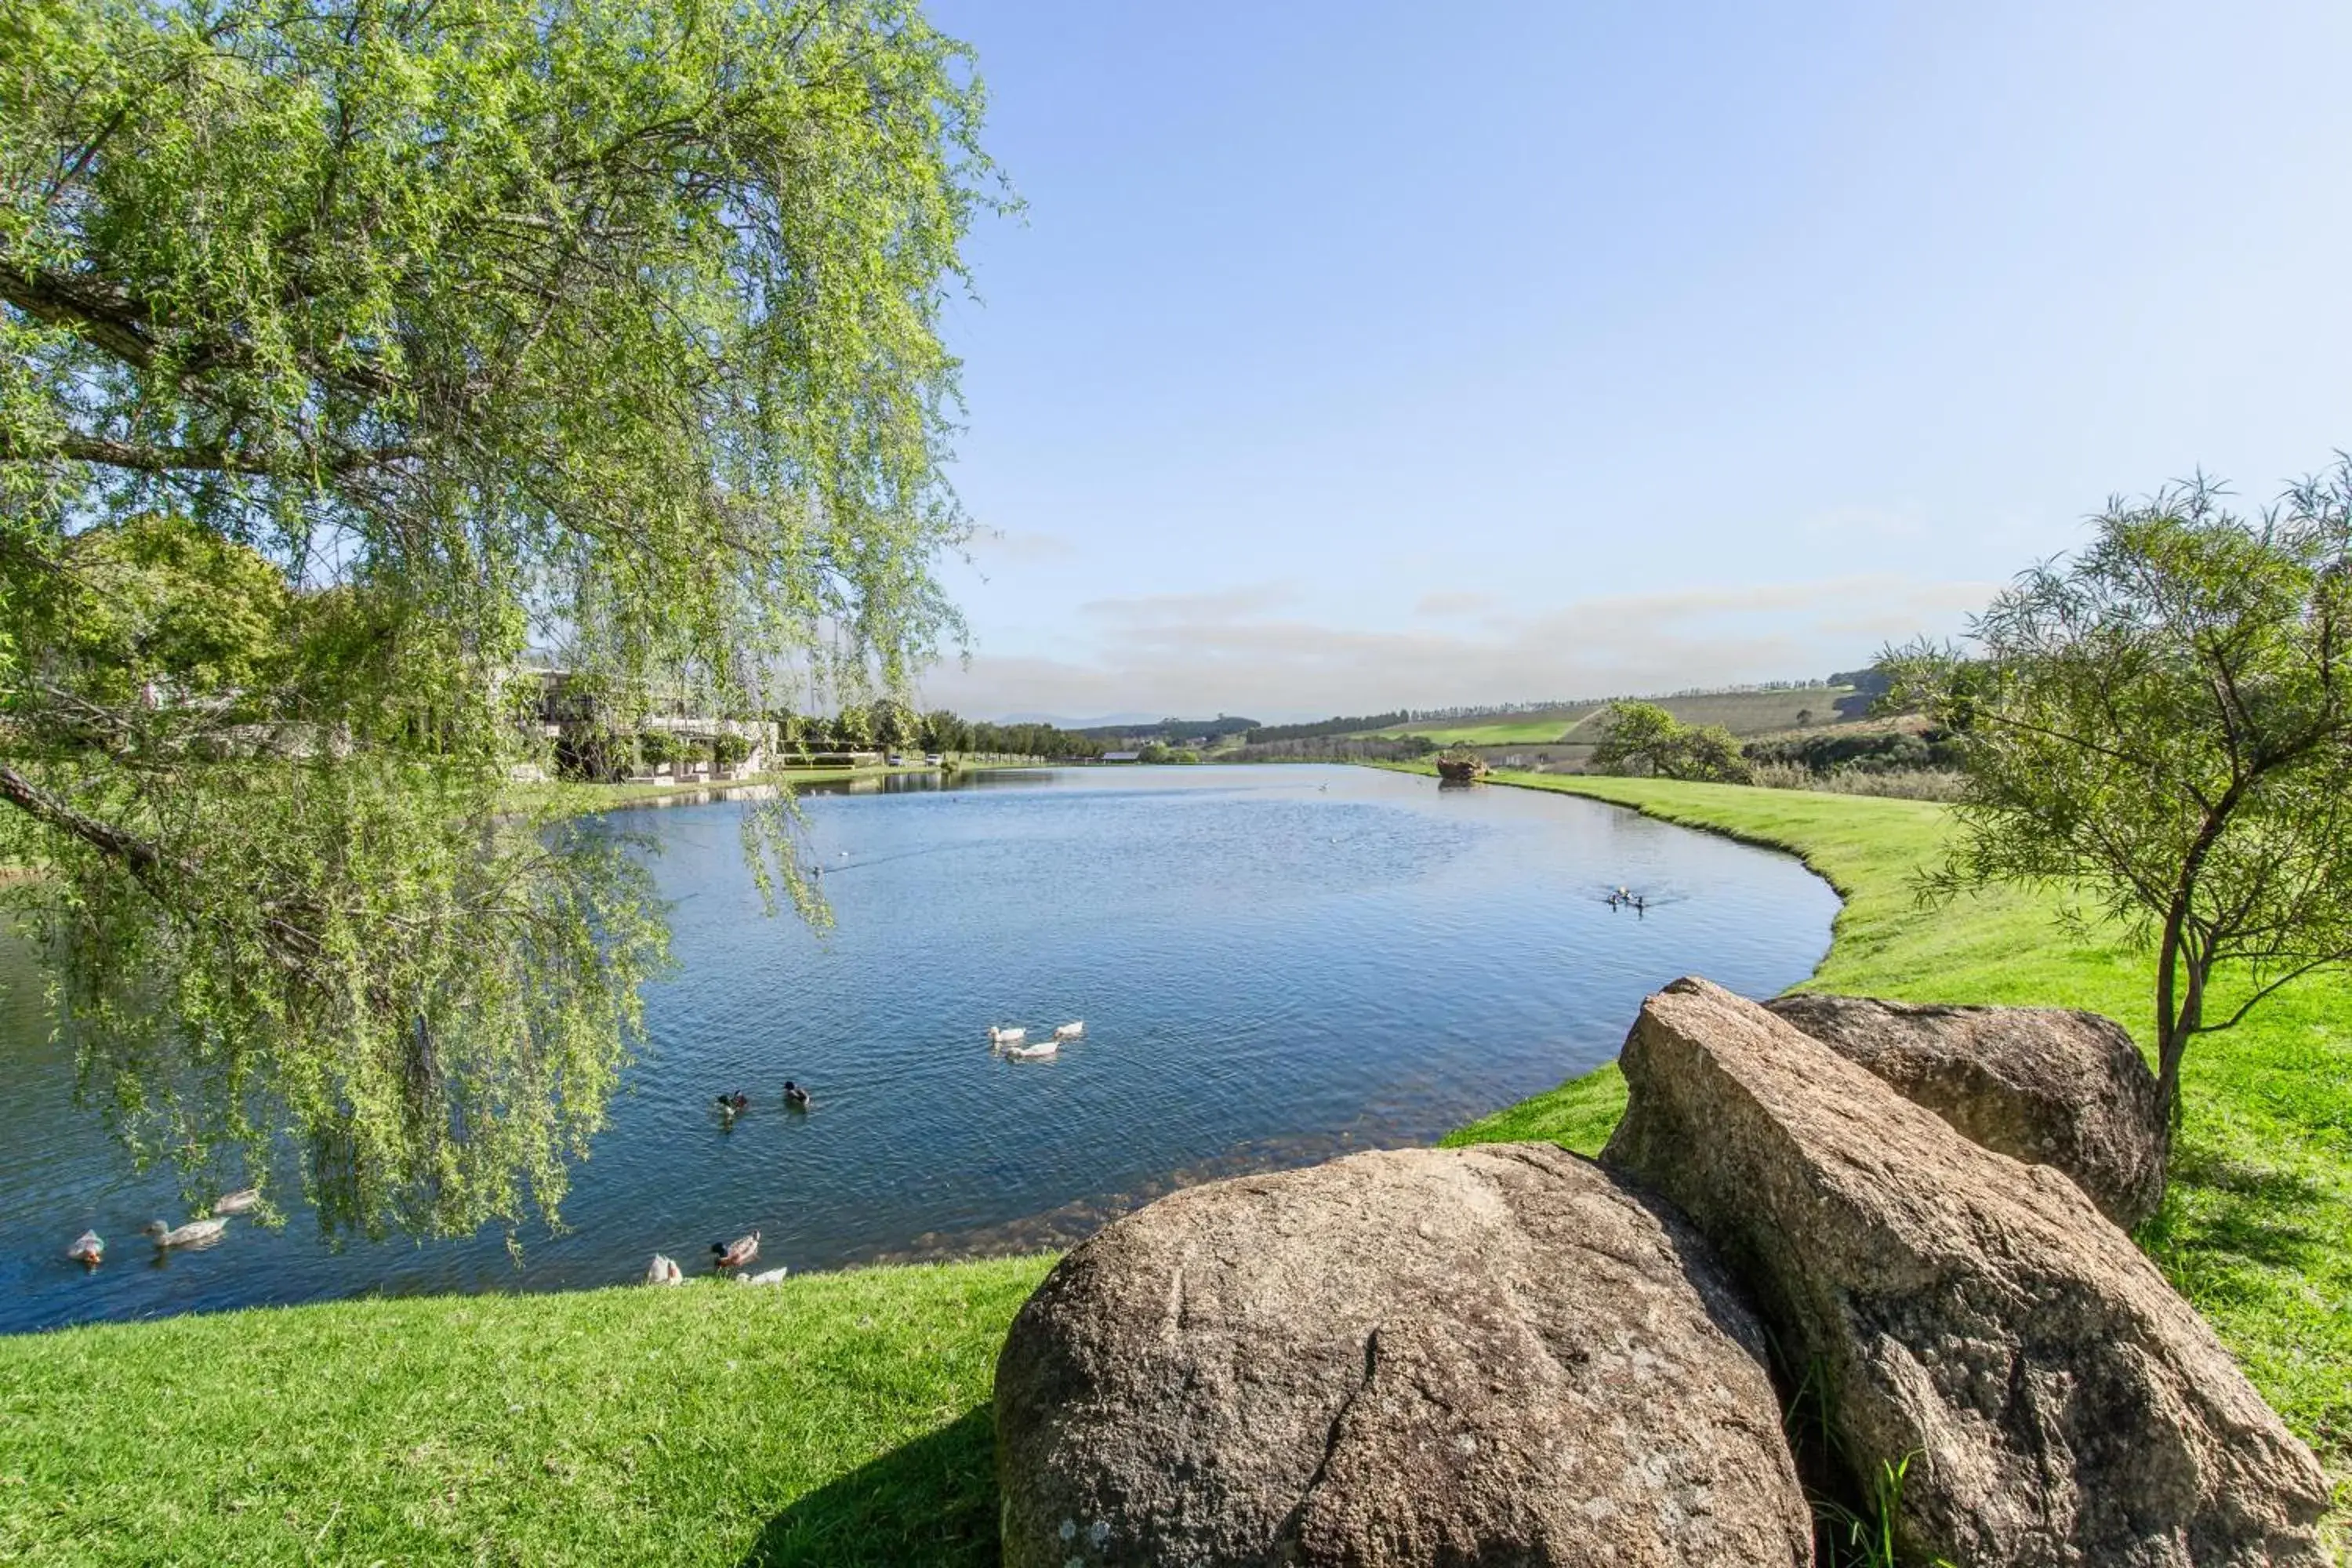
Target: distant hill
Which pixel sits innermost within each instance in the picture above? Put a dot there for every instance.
(1744, 711)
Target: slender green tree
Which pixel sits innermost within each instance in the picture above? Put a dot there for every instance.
(348, 353)
(2162, 725)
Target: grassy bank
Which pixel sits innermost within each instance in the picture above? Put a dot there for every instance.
(837, 1419)
(842, 1419)
(2257, 1229)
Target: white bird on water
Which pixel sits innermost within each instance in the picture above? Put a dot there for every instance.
(1071, 1031)
(997, 1037)
(1036, 1053)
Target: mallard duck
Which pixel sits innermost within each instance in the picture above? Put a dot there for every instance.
(1071, 1031)
(195, 1233)
(732, 1104)
(765, 1277)
(735, 1253)
(238, 1202)
(664, 1271)
(88, 1249)
(795, 1096)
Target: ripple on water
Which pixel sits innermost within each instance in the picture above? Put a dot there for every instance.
(1271, 972)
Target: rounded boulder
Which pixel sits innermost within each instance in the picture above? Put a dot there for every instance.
(1494, 1355)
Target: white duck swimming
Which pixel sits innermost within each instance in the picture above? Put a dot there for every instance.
(1071, 1031)
(195, 1233)
(88, 1249)
(997, 1037)
(1036, 1053)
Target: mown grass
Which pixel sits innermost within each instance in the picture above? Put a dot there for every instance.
(843, 1419)
(2257, 1228)
(836, 1419)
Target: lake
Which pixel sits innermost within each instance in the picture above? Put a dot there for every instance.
(1274, 964)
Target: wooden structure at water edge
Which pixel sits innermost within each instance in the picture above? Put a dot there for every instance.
(1461, 767)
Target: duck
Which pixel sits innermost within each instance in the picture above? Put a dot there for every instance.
(1036, 1053)
(1071, 1031)
(88, 1250)
(238, 1202)
(997, 1037)
(664, 1271)
(735, 1253)
(765, 1277)
(730, 1104)
(795, 1096)
(195, 1233)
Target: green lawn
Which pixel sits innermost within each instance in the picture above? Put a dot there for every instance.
(842, 1419)
(836, 1419)
(2257, 1228)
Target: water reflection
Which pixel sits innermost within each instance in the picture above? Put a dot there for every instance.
(1274, 964)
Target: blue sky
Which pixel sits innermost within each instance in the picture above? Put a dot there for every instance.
(1357, 355)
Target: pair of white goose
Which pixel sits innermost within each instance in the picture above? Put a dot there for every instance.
(1012, 1041)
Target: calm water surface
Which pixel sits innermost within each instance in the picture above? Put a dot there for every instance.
(1274, 964)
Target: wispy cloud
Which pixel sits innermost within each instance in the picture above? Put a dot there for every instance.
(1465, 602)
(1246, 649)
(1225, 607)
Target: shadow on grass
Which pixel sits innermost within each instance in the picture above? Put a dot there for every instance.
(2226, 1210)
(933, 1501)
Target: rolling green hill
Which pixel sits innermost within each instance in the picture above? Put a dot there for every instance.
(1744, 713)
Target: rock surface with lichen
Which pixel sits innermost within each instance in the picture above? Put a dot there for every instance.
(1495, 1355)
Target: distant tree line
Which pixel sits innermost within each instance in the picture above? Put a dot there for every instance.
(1333, 749)
(887, 725)
(1265, 734)
(1170, 729)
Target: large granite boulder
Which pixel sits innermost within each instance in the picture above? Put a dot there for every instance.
(1497, 1355)
(2058, 1403)
(2044, 1085)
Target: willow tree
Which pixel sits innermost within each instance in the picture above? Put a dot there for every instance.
(347, 354)
(2160, 726)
